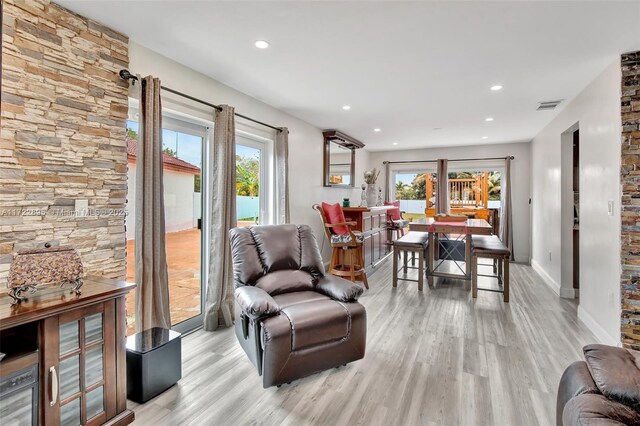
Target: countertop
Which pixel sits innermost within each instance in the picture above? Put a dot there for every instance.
(367, 209)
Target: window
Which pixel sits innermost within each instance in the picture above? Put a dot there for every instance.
(253, 185)
(468, 189)
(248, 161)
(410, 190)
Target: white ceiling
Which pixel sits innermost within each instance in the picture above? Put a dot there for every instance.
(405, 67)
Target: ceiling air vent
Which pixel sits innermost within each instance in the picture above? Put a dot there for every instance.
(549, 105)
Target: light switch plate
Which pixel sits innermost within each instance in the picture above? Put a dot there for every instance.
(610, 208)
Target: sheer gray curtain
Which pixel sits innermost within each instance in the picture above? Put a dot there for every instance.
(442, 190)
(152, 292)
(281, 153)
(222, 178)
(506, 221)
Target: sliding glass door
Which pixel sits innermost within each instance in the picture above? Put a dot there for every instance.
(183, 147)
(185, 150)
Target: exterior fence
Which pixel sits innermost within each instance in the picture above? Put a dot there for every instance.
(413, 206)
(247, 207)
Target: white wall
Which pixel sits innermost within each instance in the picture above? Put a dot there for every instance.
(178, 201)
(305, 140)
(520, 177)
(597, 111)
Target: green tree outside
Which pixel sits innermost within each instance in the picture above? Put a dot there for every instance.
(170, 151)
(247, 176)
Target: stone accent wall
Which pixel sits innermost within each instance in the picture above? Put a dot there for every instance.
(64, 113)
(630, 205)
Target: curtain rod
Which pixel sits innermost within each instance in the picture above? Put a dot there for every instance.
(126, 75)
(511, 157)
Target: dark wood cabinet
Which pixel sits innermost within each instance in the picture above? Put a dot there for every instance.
(80, 345)
(372, 222)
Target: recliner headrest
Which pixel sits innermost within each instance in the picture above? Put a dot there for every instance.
(259, 250)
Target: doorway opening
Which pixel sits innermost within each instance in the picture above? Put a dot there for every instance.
(576, 211)
(570, 212)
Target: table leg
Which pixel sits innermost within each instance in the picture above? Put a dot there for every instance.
(430, 277)
(420, 269)
(467, 262)
(396, 254)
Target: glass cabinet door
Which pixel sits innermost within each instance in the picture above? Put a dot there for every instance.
(80, 384)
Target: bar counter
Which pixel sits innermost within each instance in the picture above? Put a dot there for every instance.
(372, 222)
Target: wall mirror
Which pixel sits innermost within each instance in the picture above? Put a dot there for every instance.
(339, 159)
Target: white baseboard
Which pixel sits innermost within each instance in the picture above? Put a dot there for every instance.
(546, 277)
(567, 293)
(602, 336)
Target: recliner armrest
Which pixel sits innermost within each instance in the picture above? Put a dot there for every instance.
(339, 289)
(255, 302)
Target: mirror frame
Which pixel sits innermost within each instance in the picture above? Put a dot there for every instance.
(337, 137)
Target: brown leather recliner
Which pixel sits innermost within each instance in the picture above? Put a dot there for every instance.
(291, 319)
(604, 389)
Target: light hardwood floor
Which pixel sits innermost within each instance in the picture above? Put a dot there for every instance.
(436, 357)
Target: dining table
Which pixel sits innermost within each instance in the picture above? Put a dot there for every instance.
(449, 235)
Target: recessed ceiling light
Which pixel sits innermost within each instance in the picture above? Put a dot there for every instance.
(496, 87)
(376, 129)
(261, 44)
(488, 119)
(485, 137)
(395, 143)
(346, 107)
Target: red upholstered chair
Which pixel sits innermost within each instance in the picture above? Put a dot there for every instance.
(395, 222)
(347, 258)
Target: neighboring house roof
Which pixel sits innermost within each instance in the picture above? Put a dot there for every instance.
(170, 162)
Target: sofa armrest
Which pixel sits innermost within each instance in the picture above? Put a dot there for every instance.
(255, 302)
(339, 289)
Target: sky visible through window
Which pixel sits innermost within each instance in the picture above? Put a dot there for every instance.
(406, 178)
(187, 147)
(247, 151)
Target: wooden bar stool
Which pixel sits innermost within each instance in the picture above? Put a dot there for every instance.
(414, 243)
(490, 247)
(347, 260)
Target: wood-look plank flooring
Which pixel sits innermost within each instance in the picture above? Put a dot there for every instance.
(436, 357)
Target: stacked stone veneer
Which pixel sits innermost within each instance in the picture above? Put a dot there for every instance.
(630, 206)
(62, 138)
